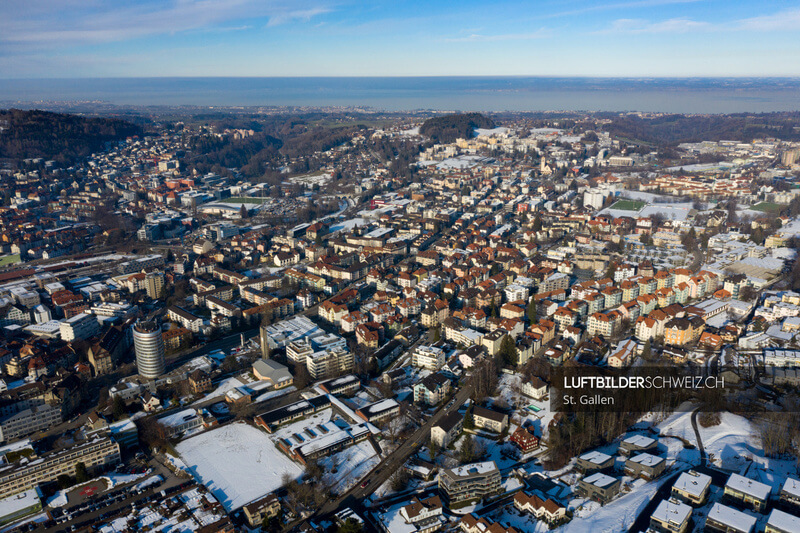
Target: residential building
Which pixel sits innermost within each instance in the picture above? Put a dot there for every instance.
(473, 482)
(671, 516)
(692, 487)
(599, 487)
(747, 492)
(726, 519)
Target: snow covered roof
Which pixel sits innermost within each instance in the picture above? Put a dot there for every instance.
(646, 459)
(731, 517)
(595, 457)
(599, 480)
(18, 502)
(792, 487)
(672, 511)
(474, 468)
(692, 482)
(639, 440)
(748, 486)
(784, 521)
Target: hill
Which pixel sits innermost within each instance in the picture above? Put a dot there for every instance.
(448, 128)
(64, 138)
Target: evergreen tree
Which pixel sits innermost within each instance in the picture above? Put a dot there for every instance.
(532, 311)
(508, 351)
(537, 224)
(466, 453)
(81, 475)
(647, 351)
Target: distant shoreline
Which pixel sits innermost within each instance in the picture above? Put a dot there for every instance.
(463, 93)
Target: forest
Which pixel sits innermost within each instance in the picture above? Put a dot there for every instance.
(675, 129)
(448, 128)
(63, 138)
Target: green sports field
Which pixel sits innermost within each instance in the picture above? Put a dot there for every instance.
(628, 205)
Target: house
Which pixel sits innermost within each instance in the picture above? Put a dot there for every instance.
(425, 515)
(728, 520)
(782, 522)
(548, 510)
(535, 388)
(790, 493)
(637, 443)
(447, 429)
(524, 439)
(645, 466)
(150, 403)
(747, 492)
(594, 462)
(490, 420)
(671, 516)
(691, 487)
(258, 511)
(599, 487)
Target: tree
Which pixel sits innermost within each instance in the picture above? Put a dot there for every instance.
(243, 212)
(508, 351)
(532, 311)
(437, 334)
(351, 525)
(647, 351)
(433, 449)
(469, 420)
(81, 475)
(118, 408)
(466, 454)
(537, 224)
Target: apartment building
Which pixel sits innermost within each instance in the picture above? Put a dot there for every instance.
(330, 362)
(447, 430)
(28, 421)
(96, 454)
(428, 357)
(80, 326)
(489, 420)
(472, 482)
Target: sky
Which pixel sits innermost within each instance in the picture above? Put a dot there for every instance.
(144, 38)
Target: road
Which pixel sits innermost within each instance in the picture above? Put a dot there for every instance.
(395, 460)
(703, 456)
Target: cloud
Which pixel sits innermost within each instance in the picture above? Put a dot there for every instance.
(69, 22)
(303, 15)
(788, 20)
(477, 37)
(674, 25)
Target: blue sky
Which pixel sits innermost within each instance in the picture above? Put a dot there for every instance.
(109, 38)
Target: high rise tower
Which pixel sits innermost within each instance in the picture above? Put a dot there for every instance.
(149, 346)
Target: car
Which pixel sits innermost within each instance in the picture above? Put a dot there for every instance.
(364, 483)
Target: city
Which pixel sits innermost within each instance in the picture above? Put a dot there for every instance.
(379, 348)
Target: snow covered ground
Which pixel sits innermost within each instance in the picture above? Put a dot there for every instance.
(351, 465)
(617, 516)
(238, 463)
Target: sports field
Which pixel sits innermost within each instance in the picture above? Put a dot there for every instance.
(242, 200)
(767, 207)
(628, 205)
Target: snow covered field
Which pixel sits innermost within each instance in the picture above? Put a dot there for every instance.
(351, 465)
(238, 463)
